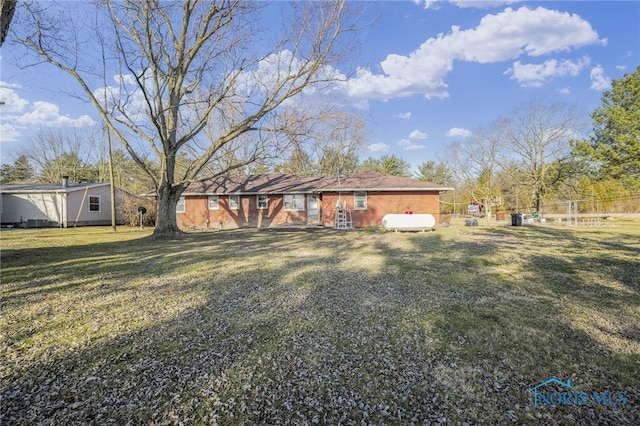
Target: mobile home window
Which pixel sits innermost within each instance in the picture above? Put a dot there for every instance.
(180, 205)
(213, 202)
(360, 200)
(262, 202)
(234, 202)
(94, 203)
(294, 202)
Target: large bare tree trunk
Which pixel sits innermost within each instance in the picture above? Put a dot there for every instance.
(166, 223)
(7, 8)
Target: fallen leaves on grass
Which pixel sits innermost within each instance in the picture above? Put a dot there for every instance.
(366, 328)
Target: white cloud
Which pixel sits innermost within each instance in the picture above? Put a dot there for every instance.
(7, 84)
(621, 67)
(271, 70)
(405, 115)
(126, 94)
(565, 91)
(599, 80)
(124, 79)
(8, 133)
(377, 147)
(276, 68)
(48, 114)
(458, 132)
(19, 114)
(480, 4)
(498, 37)
(417, 134)
(407, 145)
(535, 75)
(13, 103)
(428, 4)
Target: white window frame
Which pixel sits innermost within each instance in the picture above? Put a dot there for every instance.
(264, 198)
(363, 198)
(211, 205)
(236, 202)
(99, 203)
(295, 202)
(181, 205)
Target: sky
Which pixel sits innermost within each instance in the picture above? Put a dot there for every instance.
(427, 73)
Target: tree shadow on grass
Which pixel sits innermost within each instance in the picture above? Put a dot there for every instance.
(48, 269)
(513, 301)
(292, 327)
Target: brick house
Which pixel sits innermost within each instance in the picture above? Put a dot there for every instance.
(261, 201)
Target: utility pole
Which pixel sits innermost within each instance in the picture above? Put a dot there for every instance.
(113, 186)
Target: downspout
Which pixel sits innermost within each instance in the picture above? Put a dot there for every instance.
(339, 192)
(65, 214)
(64, 223)
(61, 200)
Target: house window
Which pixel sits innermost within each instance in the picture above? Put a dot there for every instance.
(262, 201)
(360, 200)
(94, 203)
(234, 202)
(294, 202)
(213, 202)
(180, 205)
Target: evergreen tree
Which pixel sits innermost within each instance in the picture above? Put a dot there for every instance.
(615, 145)
(435, 173)
(389, 164)
(20, 171)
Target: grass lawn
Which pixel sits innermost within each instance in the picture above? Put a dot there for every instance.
(304, 327)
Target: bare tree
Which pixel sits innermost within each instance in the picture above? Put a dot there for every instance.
(475, 163)
(126, 174)
(182, 65)
(339, 141)
(58, 153)
(538, 136)
(327, 142)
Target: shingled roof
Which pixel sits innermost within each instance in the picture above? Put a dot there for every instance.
(292, 184)
(372, 181)
(256, 184)
(14, 188)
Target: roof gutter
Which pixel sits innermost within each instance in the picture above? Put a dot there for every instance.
(384, 189)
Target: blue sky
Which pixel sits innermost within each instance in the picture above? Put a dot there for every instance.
(426, 73)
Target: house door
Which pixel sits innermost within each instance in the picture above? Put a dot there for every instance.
(313, 208)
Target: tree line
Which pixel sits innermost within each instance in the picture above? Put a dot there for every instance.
(535, 155)
(545, 154)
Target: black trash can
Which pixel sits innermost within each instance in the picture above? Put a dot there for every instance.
(516, 219)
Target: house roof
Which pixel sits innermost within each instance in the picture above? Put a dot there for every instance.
(372, 181)
(292, 184)
(256, 184)
(13, 188)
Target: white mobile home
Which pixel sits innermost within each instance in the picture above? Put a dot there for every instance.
(55, 205)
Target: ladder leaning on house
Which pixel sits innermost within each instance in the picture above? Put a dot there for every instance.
(343, 218)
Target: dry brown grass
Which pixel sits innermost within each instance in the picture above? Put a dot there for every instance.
(299, 327)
